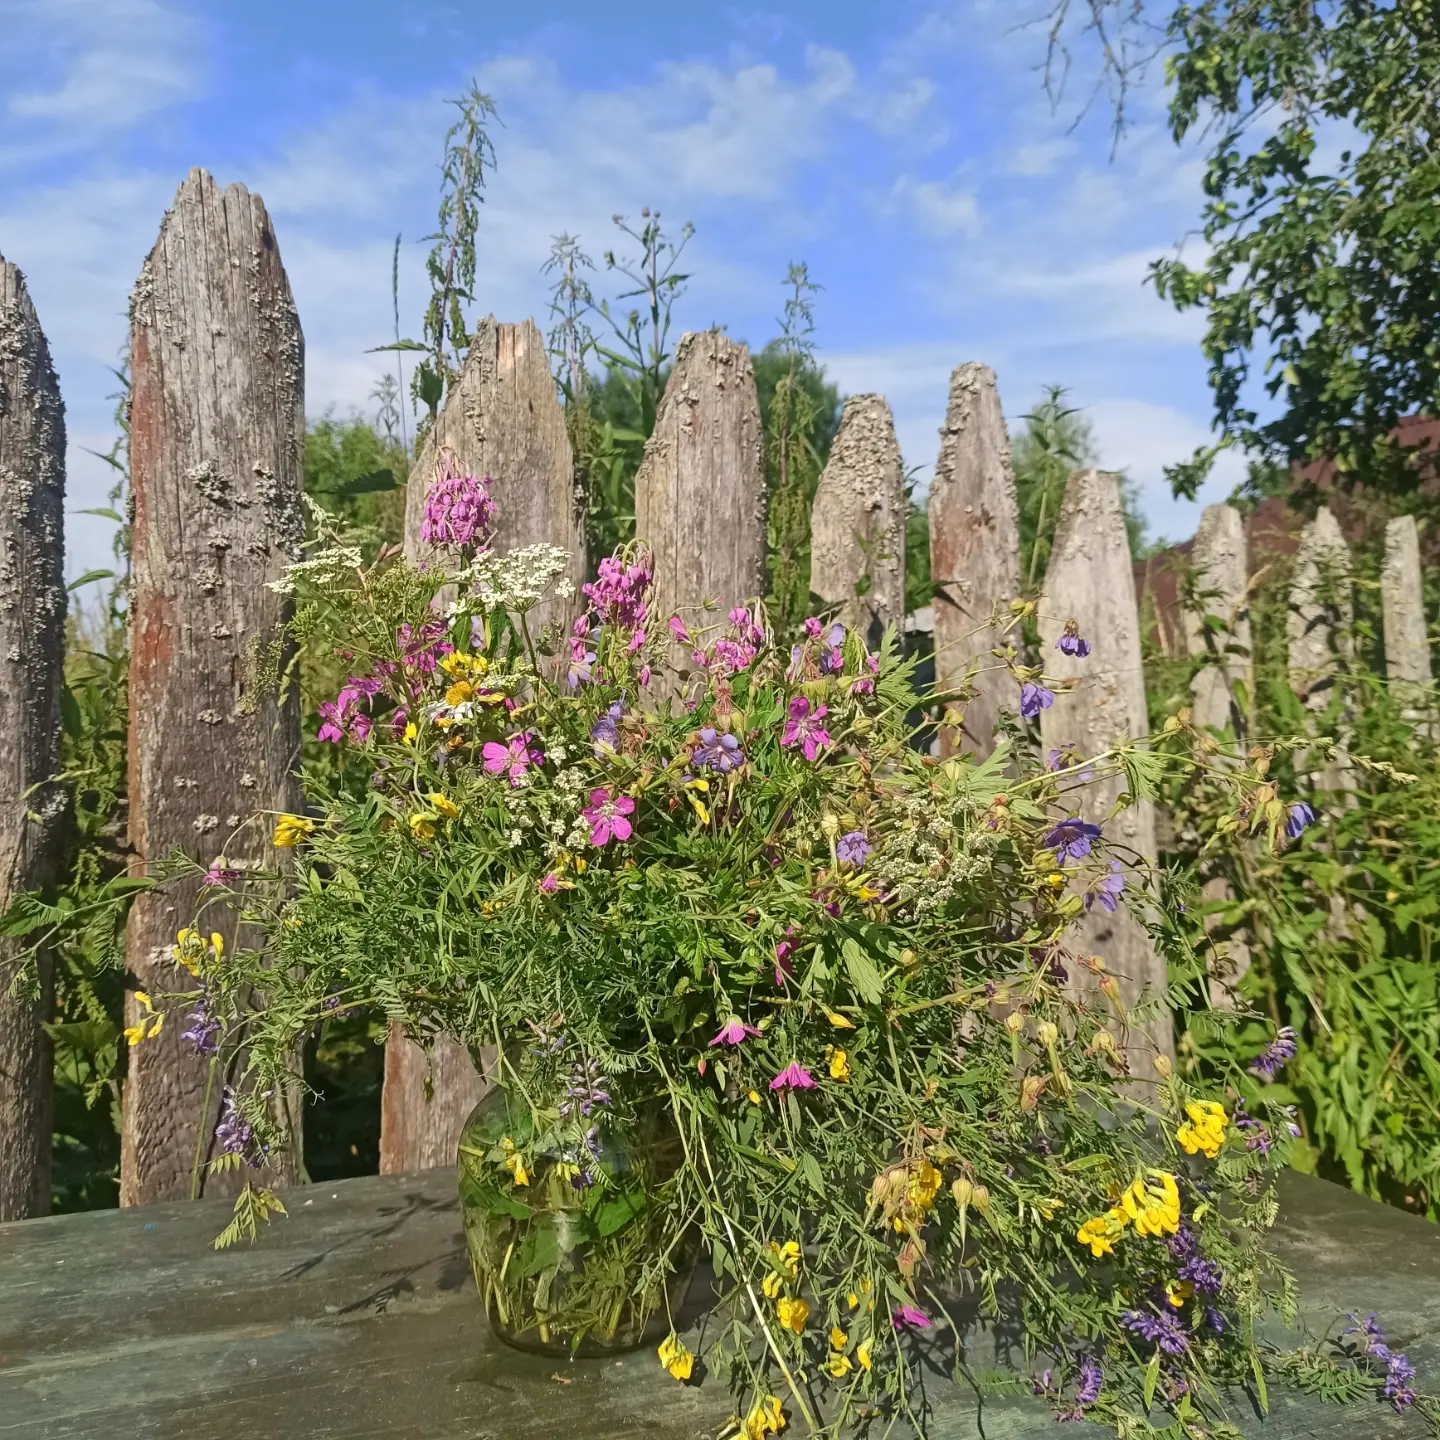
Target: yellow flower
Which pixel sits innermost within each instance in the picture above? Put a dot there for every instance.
(699, 807)
(459, 693)
(446, 806)
(1102, 1231)
(862, 1354)
(410, 731)
(1205, 1129)
(793, 1313)
(134, 1034)
(838, 1366)
(422, 826)
(839, 1063)
(853, 1300)
(513, 1162)
(786, 1258)
(838, 1338)
(764, 1419)
(1177, 1292)
(290, 830)
(839, 1021)
(1154, 1207)
(925, 1182)
(753, 1097)
(771, 1285)
(676, 1358)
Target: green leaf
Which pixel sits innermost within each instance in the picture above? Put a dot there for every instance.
(617, 1212)
(397, 345)
(1152, 1378)
(373, 483)
(810, 1170)
(865, 979)
(104, 512)
(1260, 1390)
(89, 577)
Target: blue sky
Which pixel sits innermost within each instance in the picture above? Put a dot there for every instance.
(903, 150)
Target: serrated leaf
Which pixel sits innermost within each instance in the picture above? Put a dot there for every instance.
(865, 979)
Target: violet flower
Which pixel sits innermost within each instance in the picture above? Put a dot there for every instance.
(1107, 890)
(234, 1133)
(720, 753)
(1070, 642)
(1276, 1055)
(605, 732)
(852, 848)
(1072, 838)
(1301, 817)
(1161, 1330)
(804, 727)
(1034, 698)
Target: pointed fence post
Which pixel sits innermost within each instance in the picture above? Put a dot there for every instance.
(700, 489)
(1402, 598)
(1090, 579)
(217, 425)
(1318, 626)
(32, 654)
(974, 550)
(503, 419)
(857, 523)
(1221, 564)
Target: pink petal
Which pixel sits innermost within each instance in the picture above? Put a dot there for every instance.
(620, 826)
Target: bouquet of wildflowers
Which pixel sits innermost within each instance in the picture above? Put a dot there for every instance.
(654, 863)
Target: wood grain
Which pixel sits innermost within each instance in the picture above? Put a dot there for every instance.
(1402, 598)
(501, 419)
(32, 650)
(216, 432)
(1090, 580)
(1321, 612)
(974, 550)
(857, 522)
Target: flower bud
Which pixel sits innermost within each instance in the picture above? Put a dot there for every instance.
(908, 958)
(1047, 1033)
(963, 1191)
(1163, 1067)
(830, 826)
(980, 1199)
(1031, 1089)
(1014, 1022)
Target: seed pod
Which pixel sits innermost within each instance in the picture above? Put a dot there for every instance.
(1014, 1022)
(1047, 1033)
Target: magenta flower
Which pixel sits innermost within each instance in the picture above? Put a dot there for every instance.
(909, 1315)
(678, 630)
(458, 509)
(733, 1032)
(514, 758)
(804, 727)
(550, 884)
(606, 817)
(793, 1077)
(618, 592)
(783, 951)
(813, 628)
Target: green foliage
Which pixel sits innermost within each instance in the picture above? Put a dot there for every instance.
(1321, 272)
(358, 473)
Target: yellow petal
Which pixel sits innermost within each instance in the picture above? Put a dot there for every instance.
(862, 1354)
(410, 731)
(217, 941)
(134, 1034)
(839, 1021)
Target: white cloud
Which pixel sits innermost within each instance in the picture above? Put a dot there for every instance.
(1040, 157)
(941, 211)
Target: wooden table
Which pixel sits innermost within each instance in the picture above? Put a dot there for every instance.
(358, 1317)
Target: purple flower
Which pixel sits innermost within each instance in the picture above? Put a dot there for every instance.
(1399, 1372)
(234, 1133)
(852, 848)
(804, 727)
(585, 1090)
(1107, 890)
(733, 1032)
(783, 951)
(204, 1028)
(1214, 1319)
(1203, 1274)
(1301, 816)
(605, 732)
(1257, 1135)
(832, 653)
(793, 1077)
(1034, 698)
(678, 630)
(220, 873)
(1089, 1381)
(1161, 1330)
(1072, 837)
(607, 817)
(1276, 1055)
(717, 752)
(618, 592)
(813, 628)
(458, 509)
(909, 1316)
(1070, 642)
(512, 758)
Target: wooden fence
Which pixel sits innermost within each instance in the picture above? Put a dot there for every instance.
(217, 430)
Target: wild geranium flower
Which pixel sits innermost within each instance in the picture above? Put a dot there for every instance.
(804, 727)
(912, 1318)
(1276, 1055)
(605, 732)
(1301, 818)
(1034, 698)
(832, 653)
(607, 817)
(1107, 890)
(717, 752)
(852, 848)
(458, 509)
(1072, 838)
(733, 1032)
(581, 669)
(513, 758)
(784, 949)
(1070, 642)
(793, 1077)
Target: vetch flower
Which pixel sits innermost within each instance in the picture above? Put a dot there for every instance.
(204, 1028)
(733, 1032)
(1034, 698)
(793, 1077)
(675, 1357)
(804, 727)
(1301, 817)
(1161, 1330)
(607, 817)
(586, 1089)
(1072, 838)
(290, 830)
(1070, 642)
(792, 1313)
(1276, 1055)
(234, 1133)
(852, 848)
(221, 873)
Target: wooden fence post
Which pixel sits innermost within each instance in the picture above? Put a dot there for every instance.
(1221, 563)
(502, 419)
(1402, 598)
(32, 653)
(857, 523)
(1321, 612)
(974, 549)
(700, 489)
(1090, 580)
(217, 424)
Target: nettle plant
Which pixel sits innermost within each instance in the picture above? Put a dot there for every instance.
(653, 864)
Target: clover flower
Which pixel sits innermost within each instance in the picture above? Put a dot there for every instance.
(1301, 817)
(607, 817)
(852, 848)
(1034, 698)
(1072, 838)
(1276, 1055)
(458, 509)
(804, 727)
(1070, 642)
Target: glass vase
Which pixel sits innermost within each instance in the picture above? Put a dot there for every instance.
(571, 1236)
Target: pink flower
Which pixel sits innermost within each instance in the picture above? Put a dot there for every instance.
(458, 509)
(732, 1032)
(644, 675)
(813, 628)
(909, 1315)
(863, 687)
(804, 729)
(678, 630)
(514, 758)
(783, 952)
(607, 817)
(549, 885)
(793, 1077)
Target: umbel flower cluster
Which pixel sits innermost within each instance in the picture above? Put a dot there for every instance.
(657, 863)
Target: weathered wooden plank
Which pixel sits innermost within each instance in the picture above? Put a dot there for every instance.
(32, 651)
(1321, 613)
(1090, 580)
(857, 523)
(974, 548)
(1402, 598)
(502, 419)
(357, 1317)
(217, 426)
(700, 489)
